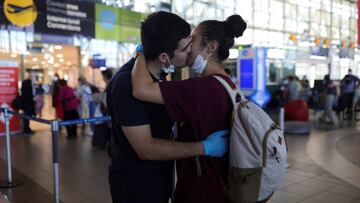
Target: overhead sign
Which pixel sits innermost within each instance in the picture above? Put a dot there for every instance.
(21, 13)
(65, 17)
(107, 22)
(130, 23)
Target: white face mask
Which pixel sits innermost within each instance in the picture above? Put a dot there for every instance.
(200, 63)
(170, 68)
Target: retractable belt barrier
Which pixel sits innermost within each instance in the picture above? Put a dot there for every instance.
(55, 132)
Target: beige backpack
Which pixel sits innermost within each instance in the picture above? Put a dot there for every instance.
(258, 151)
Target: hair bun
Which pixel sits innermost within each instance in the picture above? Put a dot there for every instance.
(235, 25)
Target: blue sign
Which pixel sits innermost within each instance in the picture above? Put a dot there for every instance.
(247, 74)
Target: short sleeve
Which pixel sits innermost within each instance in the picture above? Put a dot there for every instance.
(179, 99)
(127, 110)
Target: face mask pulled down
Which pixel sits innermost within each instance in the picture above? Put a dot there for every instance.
(169, 69)
(200, 63)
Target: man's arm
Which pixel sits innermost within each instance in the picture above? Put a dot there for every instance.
(150, 148)
(144, 88)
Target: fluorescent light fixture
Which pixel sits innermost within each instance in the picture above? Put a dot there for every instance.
(13, 55)
(58, 47)
(59, 55)
(35, 59)
(61, 60)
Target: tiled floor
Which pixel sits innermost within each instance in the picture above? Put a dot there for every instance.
(324, 167)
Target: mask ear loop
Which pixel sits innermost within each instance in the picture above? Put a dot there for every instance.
(204, 52)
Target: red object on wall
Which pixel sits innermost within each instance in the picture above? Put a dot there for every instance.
(297, 110)
(9, 76)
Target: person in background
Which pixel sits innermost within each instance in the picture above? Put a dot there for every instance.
(39, 99)
(27, 97)
(102, 130)
(70, 105)
(330, 96)
(292, 88)
(84, 93)
(305, 91)
(55, 88)
(348, 89)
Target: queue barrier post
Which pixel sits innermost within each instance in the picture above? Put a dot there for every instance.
(10, 182)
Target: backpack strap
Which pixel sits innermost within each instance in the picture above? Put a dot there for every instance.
(232, 92)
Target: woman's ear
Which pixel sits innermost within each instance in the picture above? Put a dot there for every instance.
(163, 58)
(213, 46)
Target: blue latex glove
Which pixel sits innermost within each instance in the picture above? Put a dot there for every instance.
(139, 48)
(216, 144)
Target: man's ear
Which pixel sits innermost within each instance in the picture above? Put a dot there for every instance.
(163, 58)
(213, 46)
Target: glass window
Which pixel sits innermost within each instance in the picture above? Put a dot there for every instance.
(344, 33)
(261, 6)
(315, 4)
(314, 29)
(302, 27)
(353, 36)
(326, 5)
(315, 16)
(326, 18)
(261, 37)
(335, 33)
(247, 37)
(276, 23)
(290, 26)
(247, 16)
(244, 6)
(303, 14)
(261, 20)
(290, 11)
(353, 24)
(276, 8)
(345, 24)
(277, 38)
(336, 21)
(325, 31)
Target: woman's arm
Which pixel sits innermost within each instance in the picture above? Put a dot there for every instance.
(144, 88)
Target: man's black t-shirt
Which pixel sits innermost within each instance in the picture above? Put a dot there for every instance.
(131, 178)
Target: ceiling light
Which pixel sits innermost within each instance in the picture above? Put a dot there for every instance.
(58, 47)
(35, 59)
(61, 60)
(59, 55)
(13, 55)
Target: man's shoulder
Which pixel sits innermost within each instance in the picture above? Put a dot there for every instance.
(123, 75)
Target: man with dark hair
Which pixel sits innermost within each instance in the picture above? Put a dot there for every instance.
(141, 148)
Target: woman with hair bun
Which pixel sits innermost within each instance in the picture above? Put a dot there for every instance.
(199, 105)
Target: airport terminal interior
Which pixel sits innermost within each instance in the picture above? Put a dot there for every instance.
(287, 44)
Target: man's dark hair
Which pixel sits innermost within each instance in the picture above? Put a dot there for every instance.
(161, 32)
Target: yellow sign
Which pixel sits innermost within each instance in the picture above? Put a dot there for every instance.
(21, 13)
